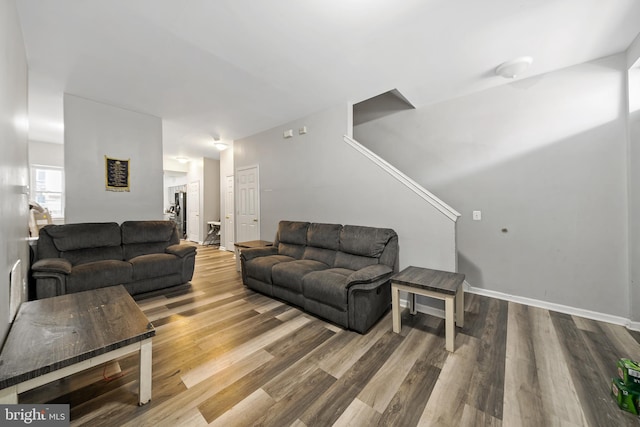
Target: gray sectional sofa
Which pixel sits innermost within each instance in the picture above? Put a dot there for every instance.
(141, 255)
(340, 273)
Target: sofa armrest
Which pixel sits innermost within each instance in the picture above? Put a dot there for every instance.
(369, 274)
(52, 265)
(180, 251)
(251, 253)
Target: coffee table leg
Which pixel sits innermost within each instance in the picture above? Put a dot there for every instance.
(144, 393)
(450, 329)
(9, 395)
(460, 306)
(395, 308)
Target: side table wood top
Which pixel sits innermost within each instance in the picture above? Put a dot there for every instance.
(445, 282)
(253, 244)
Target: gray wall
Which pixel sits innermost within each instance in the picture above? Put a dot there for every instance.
(317, 177)
(93, 130)
(14, 176)
(633, 62)
(46, 154)
(544, 158)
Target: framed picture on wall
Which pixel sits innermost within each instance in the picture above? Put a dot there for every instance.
(117, 173)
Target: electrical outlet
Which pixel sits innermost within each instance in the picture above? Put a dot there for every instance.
(477, 215)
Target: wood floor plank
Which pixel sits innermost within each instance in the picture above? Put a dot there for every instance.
(522, 403)
(295, 346)
(328, 408)
(264, 362)
(205, 370)
(247, 411)
(409, 402)
(358, 414)
(291, 406)
(598, 407)
(385, 383)
(449, 394)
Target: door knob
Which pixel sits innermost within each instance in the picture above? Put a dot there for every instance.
(255, 220)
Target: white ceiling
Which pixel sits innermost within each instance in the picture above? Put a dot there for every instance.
(231, 68)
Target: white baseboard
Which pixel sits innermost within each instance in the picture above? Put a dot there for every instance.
(574, 311)
(594, 315)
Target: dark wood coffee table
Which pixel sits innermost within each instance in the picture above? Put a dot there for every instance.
(444, 285)
(56, 337)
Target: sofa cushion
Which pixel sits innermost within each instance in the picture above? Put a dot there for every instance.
(260, 268)
(289, 275)
(292, 232)
(325, 236)
(326, 256)
(327, 286)
(154, 265)
(291, 250)
(147, 237)
(70, 237)
(353, 262)
(364, 241)
(99, 274)
(81, 243)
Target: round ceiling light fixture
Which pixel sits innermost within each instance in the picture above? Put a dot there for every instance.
(512, 69)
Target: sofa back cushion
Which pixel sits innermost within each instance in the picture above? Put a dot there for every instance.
(291, 238)
(81, 243)
(323, 241)
(147, 237)
(362, 246)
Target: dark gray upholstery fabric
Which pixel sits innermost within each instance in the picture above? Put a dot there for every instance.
(147, 237)
(260, 268)
(332, 314)
(83, 256)
(325, 236)
(56, 265)
(365, 241)
(327, 286)
(370, 274)
(154, 265)
(330, 272)
(69, 237)
(326, 256)
(291, 250)
(289, 274)
(292, 232)
(353, 262)
(99, 274)
(149, 231)
(78, 257)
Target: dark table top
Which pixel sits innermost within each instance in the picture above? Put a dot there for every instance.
(445, 282)
(52, 333)
(253, 244)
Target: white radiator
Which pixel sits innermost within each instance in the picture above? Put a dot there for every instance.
(15, 290)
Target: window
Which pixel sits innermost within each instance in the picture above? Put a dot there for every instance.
(47, 188)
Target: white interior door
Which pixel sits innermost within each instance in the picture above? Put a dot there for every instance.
(248, 206)
(193, 211)
(229, 224)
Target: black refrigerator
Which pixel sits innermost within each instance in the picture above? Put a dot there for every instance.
(181, 213)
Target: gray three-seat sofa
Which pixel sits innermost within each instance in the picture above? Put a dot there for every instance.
(340, 273)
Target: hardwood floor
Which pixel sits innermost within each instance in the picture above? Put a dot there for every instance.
(224, 355)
